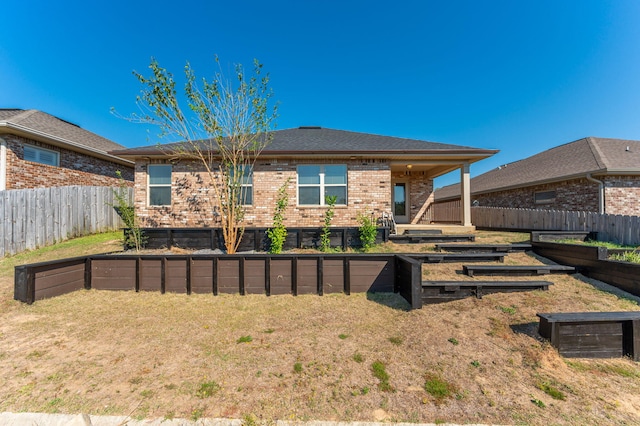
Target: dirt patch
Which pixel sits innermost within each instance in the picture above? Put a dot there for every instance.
(312, 357)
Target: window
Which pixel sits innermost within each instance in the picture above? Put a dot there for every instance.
(246, 186)
(159, 184)
(316, 182)
(544, 197)
(41, 155)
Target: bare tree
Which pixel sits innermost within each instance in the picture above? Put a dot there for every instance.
(225, 128)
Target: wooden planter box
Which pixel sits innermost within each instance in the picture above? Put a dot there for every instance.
(252, 239)
(593, 262)
(215, 274)
(593, 334)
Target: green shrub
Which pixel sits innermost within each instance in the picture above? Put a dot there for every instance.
(325, 240)
(133, 235)
(368, 231)
(278, 233)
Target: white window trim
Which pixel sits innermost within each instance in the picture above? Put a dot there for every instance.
(248, 185)
(164, 185)
(322, 185)
(38, 150)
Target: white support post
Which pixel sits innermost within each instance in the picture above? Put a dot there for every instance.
(3, 164)
(465, 195)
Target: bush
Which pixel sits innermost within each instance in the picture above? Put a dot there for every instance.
(278, 233)
(325, 240)
(368, 232)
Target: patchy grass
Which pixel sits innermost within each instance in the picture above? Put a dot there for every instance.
(438, 388)
(627, 256)
(149, 355)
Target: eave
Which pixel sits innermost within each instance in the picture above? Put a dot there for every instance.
(18, 130)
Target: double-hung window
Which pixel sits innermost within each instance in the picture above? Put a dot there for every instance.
(246, 185)
(317, 182)
(41, 155)
(159, 184)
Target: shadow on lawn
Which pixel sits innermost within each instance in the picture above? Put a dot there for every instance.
(529, 328)
(392, 300)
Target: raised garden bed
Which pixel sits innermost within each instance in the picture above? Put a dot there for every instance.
(252, 239)
(593, 334)
(593, 261)
(215, 274)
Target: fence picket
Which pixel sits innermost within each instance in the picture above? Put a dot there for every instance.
(31, 218)
(616, 228)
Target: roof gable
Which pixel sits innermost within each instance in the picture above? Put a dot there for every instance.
(40, 123)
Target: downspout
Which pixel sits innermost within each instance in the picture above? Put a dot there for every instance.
(600, 192)
(3, 164)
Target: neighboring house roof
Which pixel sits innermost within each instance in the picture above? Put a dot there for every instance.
(596, 156)
(43, 127)
(321, 142)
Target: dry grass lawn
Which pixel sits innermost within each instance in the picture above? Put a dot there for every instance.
(359, 357)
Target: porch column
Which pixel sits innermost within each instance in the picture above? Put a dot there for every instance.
(465, 195)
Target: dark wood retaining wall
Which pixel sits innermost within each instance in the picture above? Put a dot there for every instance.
(593, 262)
(253, 238)
(215, 274)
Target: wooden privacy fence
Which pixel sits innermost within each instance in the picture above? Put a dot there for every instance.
(214, 274)
(446, 212)
(32, 218)
(615, 228)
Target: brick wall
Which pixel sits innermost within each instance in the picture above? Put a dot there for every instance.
(420, 191)
(74, 169)
(578, 194)
(369, 189)
(622, 195)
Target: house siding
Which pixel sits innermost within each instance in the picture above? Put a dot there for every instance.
(74, 169)
(192, 199)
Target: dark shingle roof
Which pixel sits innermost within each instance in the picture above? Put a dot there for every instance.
(571, 160)
(315, 140)
(40, 123)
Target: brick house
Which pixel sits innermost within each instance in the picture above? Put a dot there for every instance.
(369, 174)
(39, 150)
(591, 174)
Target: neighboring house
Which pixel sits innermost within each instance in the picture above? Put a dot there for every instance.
(591, 174)
(368, 173)
(39, 150)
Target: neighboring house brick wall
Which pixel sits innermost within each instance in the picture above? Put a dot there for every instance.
(369, 188)
(574, 195)
(622, 195)
(74, 169)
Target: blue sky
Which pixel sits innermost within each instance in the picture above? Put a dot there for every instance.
(518, 76)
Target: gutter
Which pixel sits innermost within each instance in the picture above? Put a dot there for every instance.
(601, 205)
(3, 164)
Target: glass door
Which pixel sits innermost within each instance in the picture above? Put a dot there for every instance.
(400, 202)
